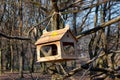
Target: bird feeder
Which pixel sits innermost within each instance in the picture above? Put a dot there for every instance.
(58, 45)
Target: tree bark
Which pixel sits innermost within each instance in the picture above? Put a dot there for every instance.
(12, 61)
(55, 18)
(74, 23)
(0, 61)
(21, 56)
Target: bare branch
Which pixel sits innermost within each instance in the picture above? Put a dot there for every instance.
(13, 37)
(102, 26)
(84, 8)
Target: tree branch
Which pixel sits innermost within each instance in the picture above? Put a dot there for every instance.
(84, 8)
(13, 37)
(72, 72)
(70, 5)
(99, 27)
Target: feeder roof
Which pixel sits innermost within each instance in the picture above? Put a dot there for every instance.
(53, 36)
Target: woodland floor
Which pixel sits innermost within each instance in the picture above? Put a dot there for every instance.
(34, 76)
(27, 76)
(81, 75)
(39, 76)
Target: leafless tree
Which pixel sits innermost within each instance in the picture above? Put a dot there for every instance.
(22, 23)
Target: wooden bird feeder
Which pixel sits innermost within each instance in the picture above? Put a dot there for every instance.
(58, 45)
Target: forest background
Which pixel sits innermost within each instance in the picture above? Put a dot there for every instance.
(96, 24)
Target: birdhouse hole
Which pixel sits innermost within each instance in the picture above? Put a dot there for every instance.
(68, 48)
(48, 50)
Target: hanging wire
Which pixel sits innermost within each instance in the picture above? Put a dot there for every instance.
(61, 16)
(52, 17)
(49, 21)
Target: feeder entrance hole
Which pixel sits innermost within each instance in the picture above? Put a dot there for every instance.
(68, 48)
(48, 50)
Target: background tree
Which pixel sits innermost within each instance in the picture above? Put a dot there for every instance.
(22, 23)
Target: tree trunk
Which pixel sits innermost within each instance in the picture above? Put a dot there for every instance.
(0, 61)
(74, 23)
(32, 61)
(55, 24)
(21, 44)
(12, 61)
(93, 48)
(55, 18)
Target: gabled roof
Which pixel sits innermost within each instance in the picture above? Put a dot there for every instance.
(53, 36)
